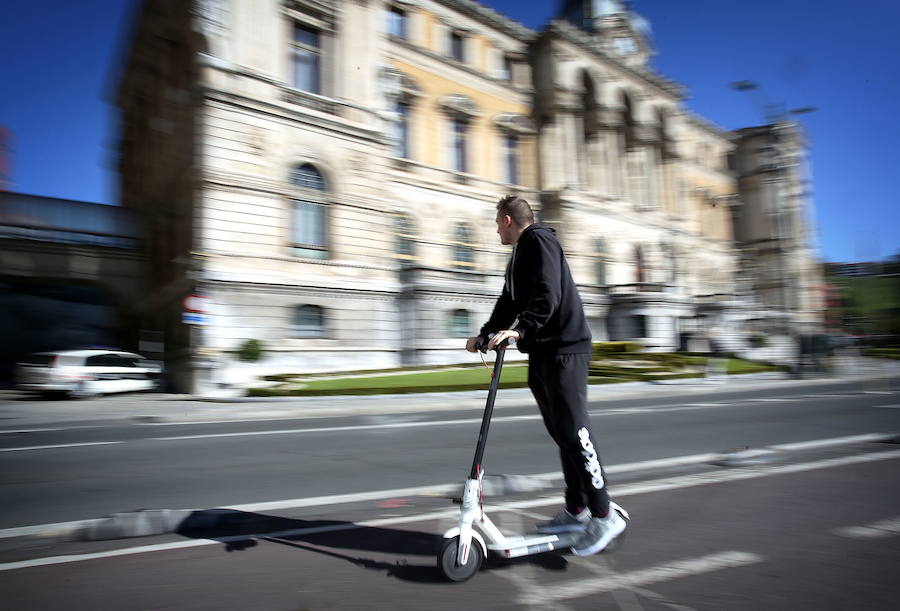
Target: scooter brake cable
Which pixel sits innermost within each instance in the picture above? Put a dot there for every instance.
(481, 354)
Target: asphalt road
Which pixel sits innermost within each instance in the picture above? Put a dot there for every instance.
(74, 472)
(811, 533)
(803, 527)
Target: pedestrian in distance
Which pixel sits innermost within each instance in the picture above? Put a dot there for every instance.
(540, 309)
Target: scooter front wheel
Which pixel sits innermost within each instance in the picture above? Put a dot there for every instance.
(448, 566)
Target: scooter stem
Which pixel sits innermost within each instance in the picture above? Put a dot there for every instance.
(488, 411)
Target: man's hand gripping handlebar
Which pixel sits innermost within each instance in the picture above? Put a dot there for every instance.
(495, 341)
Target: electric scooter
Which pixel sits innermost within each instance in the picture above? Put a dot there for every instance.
(458, 559)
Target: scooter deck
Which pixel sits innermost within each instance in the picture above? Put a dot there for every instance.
(538, 543)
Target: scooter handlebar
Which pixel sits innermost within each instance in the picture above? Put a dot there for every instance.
(482, 342)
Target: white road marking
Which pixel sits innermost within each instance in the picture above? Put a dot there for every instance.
(873, 530)
(48, 530)
(316, 501)
(627, 490)
(832, 441)
(62, 445)
(715, 477)
(444, 489)
(770, 400)
(894, 406)
(827, 396)
(427, 423)
(662, 572)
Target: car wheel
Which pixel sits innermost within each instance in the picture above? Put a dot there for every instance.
(82, 391)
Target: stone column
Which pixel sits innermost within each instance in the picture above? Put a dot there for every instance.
(567, 116)
(609, 151)
(646, 138)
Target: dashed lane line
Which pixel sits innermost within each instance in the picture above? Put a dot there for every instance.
(873, 530)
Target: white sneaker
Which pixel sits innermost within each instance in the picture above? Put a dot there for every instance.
(564, 522)
(598, 533)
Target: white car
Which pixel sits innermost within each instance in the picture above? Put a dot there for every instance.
(85, 373)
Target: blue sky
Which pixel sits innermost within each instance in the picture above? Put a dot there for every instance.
(840, 57)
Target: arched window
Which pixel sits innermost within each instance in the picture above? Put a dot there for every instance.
(309, 214)
(459, 323)
(405, 245)
(600, 261)
(308, 321)
(463, 248)
(630, 125)
(589, 103)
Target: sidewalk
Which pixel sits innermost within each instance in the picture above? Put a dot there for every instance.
(169, 409)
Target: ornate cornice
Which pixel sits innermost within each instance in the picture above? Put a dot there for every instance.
(570, 33)
(515, 122)
(491, 18)
(459, 103)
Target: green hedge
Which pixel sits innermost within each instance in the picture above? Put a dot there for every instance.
(605, 348)
(882, 353)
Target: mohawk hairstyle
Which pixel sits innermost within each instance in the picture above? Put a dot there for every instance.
(517, 208)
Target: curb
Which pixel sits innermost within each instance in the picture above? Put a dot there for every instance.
(234, 524)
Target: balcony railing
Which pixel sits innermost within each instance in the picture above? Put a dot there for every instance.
(638, 287)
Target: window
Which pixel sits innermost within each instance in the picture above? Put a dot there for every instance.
(459, 128)
(511, 158)
(640, 269)
(396, 22)
(638, 326)
(401, 130)
(308, 222)
(308, 322)
(102, 360)
(307, 54)
(463, 248)
(457, 46)
(459, 323)
(405, 245)
(600, 253)
(505, 70)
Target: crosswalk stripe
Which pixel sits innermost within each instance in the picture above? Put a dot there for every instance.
(642, 577)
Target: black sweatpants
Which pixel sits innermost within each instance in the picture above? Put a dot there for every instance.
(559, 385)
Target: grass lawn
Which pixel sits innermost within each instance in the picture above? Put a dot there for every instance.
(515, 375)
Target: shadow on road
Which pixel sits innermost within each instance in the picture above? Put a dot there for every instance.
(240, 530)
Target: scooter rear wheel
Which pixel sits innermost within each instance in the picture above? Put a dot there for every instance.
(449, 568)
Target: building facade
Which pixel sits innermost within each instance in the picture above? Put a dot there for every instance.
(775, 240)
(70, 276)
(325, 172)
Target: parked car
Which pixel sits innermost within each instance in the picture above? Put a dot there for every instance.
(85, 373)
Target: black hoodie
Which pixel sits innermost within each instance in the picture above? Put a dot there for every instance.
(540, 292)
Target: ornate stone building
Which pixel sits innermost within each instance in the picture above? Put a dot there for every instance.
(773, 233)
(325, 171)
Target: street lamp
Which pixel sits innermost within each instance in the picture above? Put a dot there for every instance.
(773, 113)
